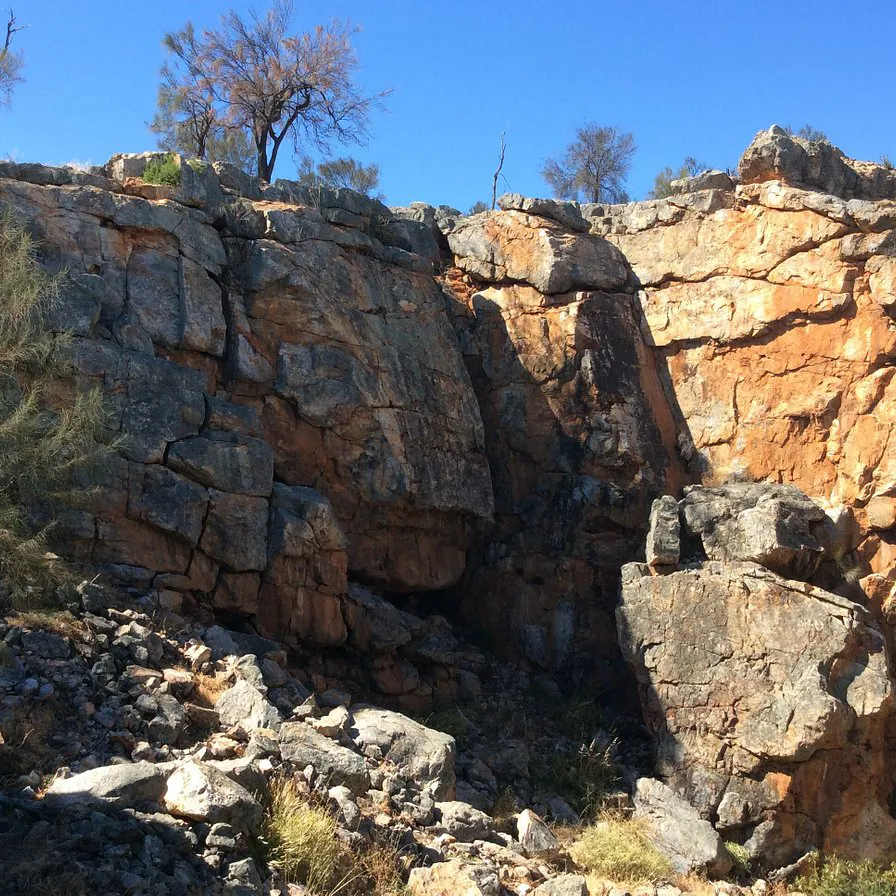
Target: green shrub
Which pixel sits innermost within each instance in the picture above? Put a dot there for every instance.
(449, 721)
(46, 438)
(739, 854)
(164, 170)
(302, 840)
(838, 877)
(618, 848)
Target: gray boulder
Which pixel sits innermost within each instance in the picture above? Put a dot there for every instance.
(777, 526)
(566, 213)
(535, 837)
(418, 752)
(119, 786)
(245, 705)
(692, 844)
(463, 822)
(302, 745)
(200, 792)
(763, 695)
(563, 885)
(456, 876)
(664, 534)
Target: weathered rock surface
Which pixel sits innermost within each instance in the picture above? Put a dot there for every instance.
(675, 828)
(302, 745)
(768, 689)
(776, 526)
(128, 784)
(777, 155)
(420, 753)
(200, 792)
(456, 877)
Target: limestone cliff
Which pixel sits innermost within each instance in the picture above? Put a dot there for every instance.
(316, 389)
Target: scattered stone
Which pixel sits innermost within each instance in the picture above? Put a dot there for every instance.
(535, 837)
(201, 792)
(244, 705)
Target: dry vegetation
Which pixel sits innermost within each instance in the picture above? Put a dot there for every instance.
(616, 847)
(207, 689)
(302, 843)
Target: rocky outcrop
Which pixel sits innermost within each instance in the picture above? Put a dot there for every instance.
(817, 164)
(306, 407)
(768, 698)
(291, 394)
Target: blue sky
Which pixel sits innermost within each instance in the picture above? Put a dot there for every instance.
(686, 78)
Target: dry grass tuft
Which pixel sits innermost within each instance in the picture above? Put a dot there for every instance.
(207, 689)
(60, 623)
(617, 847)
(382, 871)
(302, 841)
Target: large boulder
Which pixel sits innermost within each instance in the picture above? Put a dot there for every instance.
(776, 526)
(117, 786)
(517, 246)
(420, 753)
(457, 877)
(301, 745)
(675, 828)
(200, 792)
(767, 700)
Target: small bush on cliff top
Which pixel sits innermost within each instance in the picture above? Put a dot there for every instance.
(44, 438)
(163, 171)
(837, 877)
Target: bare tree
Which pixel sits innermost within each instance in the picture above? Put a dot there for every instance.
(498, 170)
(254, 76)
(10, 61)
(808, 132)
(594, 166)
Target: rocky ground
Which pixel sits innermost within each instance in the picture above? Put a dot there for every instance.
(139, 750)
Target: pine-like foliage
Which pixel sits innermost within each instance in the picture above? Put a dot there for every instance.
(46, 434)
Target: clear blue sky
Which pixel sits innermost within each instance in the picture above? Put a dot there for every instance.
(686, 78)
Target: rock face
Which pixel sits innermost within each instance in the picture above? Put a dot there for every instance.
(310, 401)
(292, 392)
(768, 698)
(579, 434)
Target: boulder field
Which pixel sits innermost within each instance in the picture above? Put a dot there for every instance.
(331, 412)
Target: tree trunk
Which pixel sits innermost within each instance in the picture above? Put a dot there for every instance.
(265, 168)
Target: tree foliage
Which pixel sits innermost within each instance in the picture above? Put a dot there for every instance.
(256, 84)
(808, 132)
(339, 173)
(11, 62)
(662, 183)
(45, 440)
(593, 167)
